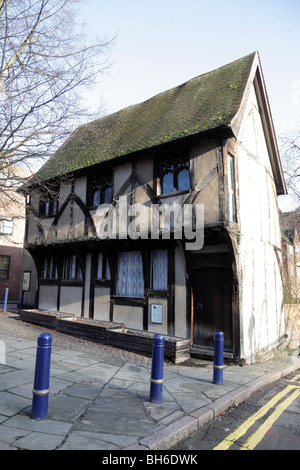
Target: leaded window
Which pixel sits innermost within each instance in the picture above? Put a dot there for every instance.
(49, 270)
(159, 270)
(99, 190)
(130, 276)
(71, 268)
(103, 270)
(174, 175)
(49, 201)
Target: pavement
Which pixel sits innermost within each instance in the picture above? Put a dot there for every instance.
(99, 395)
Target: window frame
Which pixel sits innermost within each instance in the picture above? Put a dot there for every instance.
(105, 268)
(101, 184)
(10, 229)
(48, 205)
(231, 187)
(175, 170)
(49, 268)
(5, 270)
(71, 263)
(152, 288)
(128, 296)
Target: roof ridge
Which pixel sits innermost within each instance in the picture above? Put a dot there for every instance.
(205, 102)
(252, 54)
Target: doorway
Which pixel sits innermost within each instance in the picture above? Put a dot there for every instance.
(212, 298)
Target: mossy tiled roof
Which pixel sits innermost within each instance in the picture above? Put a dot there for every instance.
(206, 102)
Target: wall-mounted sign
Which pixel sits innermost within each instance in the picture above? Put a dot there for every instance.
(26, 281)
(156, 313)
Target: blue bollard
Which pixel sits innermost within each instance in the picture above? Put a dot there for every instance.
(5, 300)
(42, 378)
(218, 358)
(156, 387)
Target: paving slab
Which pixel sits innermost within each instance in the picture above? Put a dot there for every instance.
(38, 441)
(99, 395)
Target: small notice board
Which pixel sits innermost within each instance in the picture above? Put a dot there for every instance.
(156, 313)
(26, 281)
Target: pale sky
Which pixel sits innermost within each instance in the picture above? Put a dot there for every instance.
(160, 44)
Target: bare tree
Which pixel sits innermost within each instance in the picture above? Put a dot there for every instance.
(290, 155)
(46, 62)
(290, 220)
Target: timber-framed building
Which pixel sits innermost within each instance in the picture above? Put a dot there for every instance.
(209, 142)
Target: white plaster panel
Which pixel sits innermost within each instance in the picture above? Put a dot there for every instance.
(48, 298)
(70, 300)
(102, 303)
(131, 316)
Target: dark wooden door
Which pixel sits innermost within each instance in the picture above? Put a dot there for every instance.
(212, 292)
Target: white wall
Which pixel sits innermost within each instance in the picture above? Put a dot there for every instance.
(71, 300)
(259, 260)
